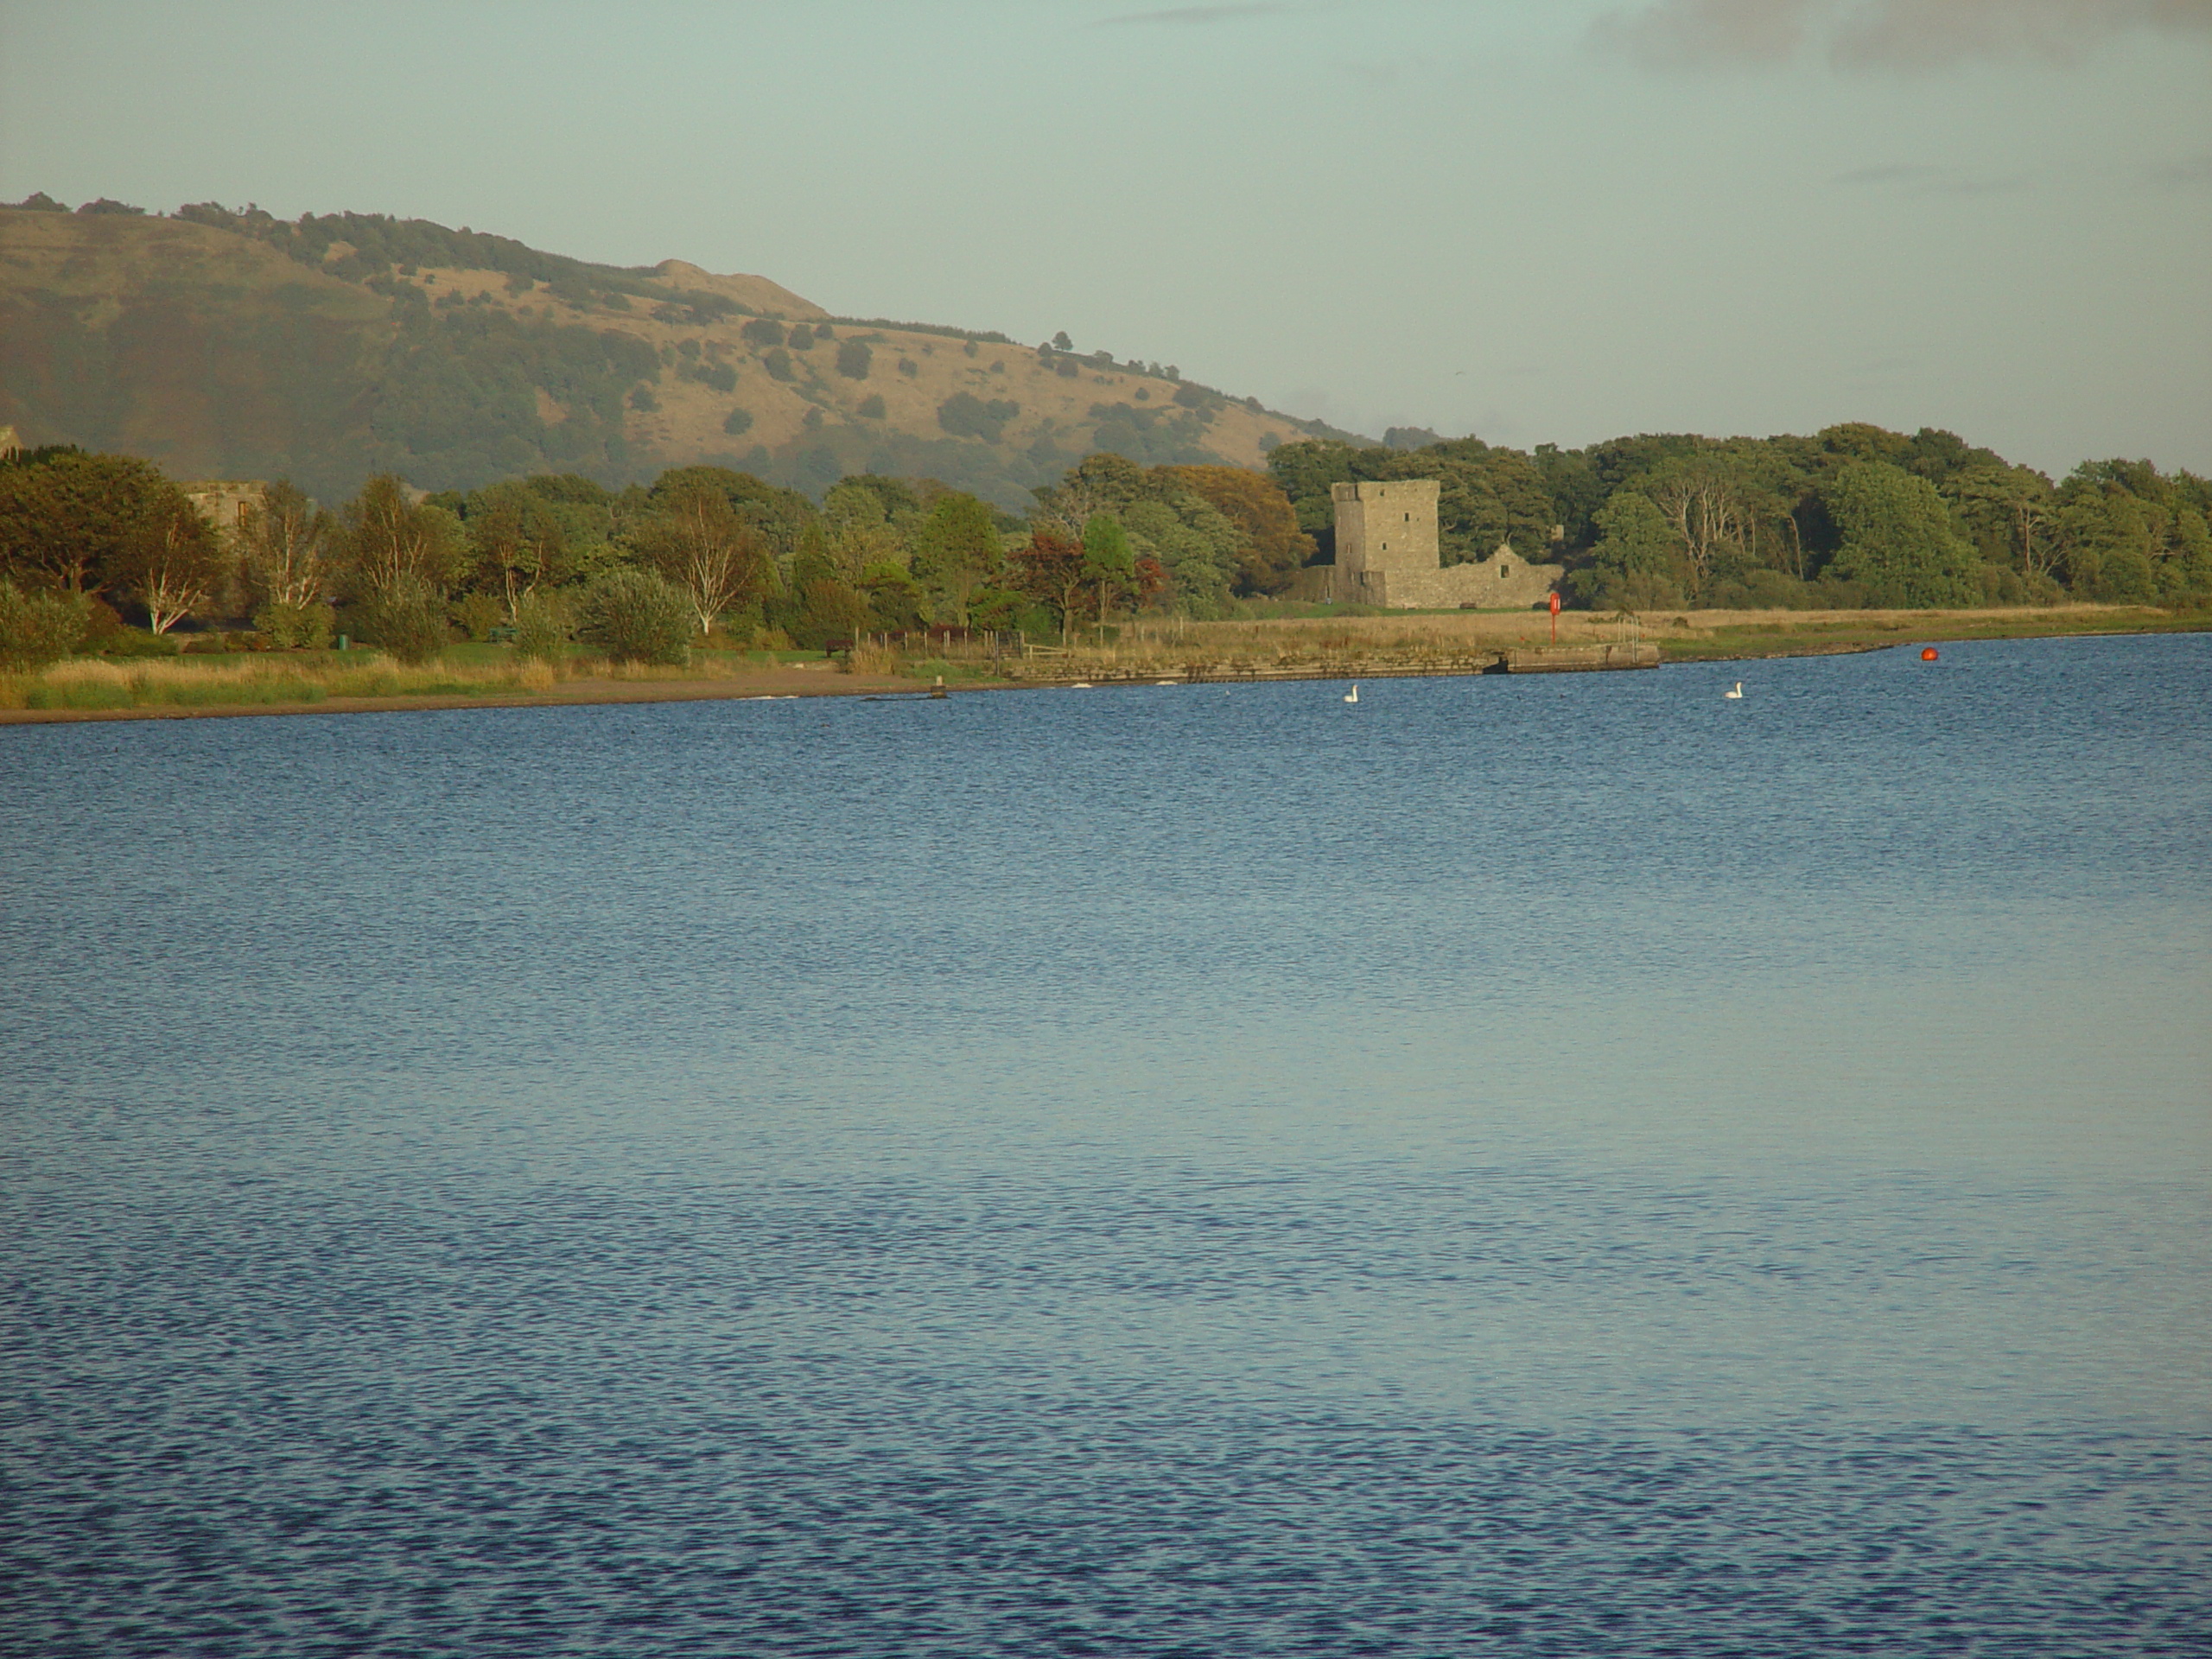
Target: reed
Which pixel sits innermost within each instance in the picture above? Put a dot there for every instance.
(94, 684)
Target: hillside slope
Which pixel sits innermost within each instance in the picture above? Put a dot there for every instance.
(220, 344)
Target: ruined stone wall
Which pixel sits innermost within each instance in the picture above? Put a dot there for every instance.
(1503, 582)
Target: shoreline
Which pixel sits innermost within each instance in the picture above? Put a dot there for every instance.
(1754, 636)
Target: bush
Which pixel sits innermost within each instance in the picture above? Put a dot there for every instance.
(477, 615)
(777, 362)
(737, 421)
(291, 627)
(636, 617)
(853, 359)
(137, 642)
(872, 407)
(408, 619)
(543, 628)
(36, 629)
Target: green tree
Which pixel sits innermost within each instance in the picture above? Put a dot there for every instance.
(518, 544)
(1101, 483)
(1637, 560)
(285, 551)
(956, 550)
(636, 616)
(698, 543)
(67, 518)
(1899, 538)
(854, 359)
(1109, 565)
(1271, 548)
(170, 564)
(386, 537)
(37, 628)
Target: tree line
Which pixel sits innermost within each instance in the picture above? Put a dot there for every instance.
(105, 552)
(1853, 515)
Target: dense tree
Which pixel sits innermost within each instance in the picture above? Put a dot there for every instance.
(1109, 565)
(1637, 563)
(1898, 537)
(170, 564)
(66, 518)
(1052, 570)
(966, 415)
(285, 552)
(695, 541)
(956, 550)
(386, 538)
(1271, 548)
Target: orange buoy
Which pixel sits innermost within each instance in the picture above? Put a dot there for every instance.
(1927, 654)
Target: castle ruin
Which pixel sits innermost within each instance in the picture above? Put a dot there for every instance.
(1388, 555)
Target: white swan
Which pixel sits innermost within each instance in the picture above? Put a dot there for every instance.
(1738, 692)
(1352, 696)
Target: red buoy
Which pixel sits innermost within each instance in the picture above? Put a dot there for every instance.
(1927, 654)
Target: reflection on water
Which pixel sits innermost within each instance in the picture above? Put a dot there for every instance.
(1554, 1166)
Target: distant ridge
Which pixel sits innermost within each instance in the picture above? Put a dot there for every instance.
(230, 343)
(755, 294)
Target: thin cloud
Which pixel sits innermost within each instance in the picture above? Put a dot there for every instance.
(1185, 15)
(1889, 173)
(2191, 173)
(1881, 34)
(1925, 179)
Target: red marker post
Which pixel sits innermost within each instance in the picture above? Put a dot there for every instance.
(1554, 619)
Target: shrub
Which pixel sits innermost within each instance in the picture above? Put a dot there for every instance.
(779, 365)
(802, 338)
(128, 642)
(543, 628)
(853, 359)
(408, 619)
(636, 617)
(477, 615)
(871, 406)
(292, 627)
(763, 331)
(36, 628)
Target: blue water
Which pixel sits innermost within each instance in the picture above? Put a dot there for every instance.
(1553, 1166)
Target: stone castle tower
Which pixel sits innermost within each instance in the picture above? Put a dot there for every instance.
(1383, 527)
(1388, 555)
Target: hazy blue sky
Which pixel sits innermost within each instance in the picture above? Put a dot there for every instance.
(1536, 222)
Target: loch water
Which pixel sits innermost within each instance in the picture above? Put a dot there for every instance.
(1570, 1166)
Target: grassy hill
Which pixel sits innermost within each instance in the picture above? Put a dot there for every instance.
(237, 345)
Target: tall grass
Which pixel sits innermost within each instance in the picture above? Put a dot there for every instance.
(181, 683)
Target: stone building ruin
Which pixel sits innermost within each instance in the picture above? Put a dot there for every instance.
(1388, 555)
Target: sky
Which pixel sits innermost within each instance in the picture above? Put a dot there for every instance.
(1533, 222)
